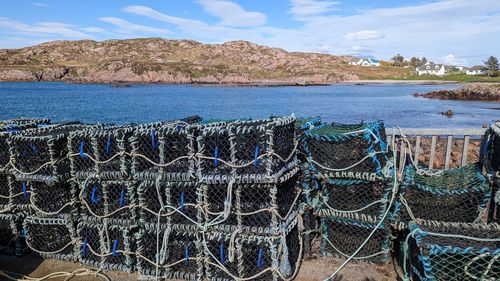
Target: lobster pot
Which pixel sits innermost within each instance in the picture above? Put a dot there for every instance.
(20, 194)
(348, 151)
(178, 202)
(453, 251)
(455, 195)
(352, 195)
(4, 191)
(343, 234)
(493, 148)
(169, 252)
(255, 208)
(166, 151)
(257, 150)
(52, 238)
(253, 256)
(101, 152)
(111, 199)
(50, 199)
(107, 244)
(9, 127)
(41, 154)
(11, 235)
(24, 122)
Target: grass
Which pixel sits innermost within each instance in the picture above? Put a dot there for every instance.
(452, 77)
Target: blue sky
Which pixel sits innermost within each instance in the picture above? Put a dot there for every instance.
(460, 32)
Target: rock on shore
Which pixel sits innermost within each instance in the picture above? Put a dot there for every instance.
(156, 60)
(484, 92)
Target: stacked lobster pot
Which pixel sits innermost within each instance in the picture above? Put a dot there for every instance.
(249, 191)
(106, 198)
(440, 217)
(349, 170)
(168, 195)
(491, 161)
(41, 189)
(11, 238)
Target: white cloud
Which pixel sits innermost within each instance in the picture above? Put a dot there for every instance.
(41, 5)
(301, 9)
(232, 14)
(42, 28)
(364, 35)
(129, 28)
(450, 59)
(92, 29)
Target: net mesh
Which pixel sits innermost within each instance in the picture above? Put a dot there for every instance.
(179, 252)
(493, 147)
(51, 238)
(343, 235)
(41, 153)
(4, 191)
(359, 196)
(11, 239)
(47, 199)
(455, 195)
(112, 199)
(347, 151)
(436, 253)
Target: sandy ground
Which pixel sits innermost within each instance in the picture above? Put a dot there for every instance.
(311, 269)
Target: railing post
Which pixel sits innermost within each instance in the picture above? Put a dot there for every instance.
(448, 153)
(433, 152)
(465, 150)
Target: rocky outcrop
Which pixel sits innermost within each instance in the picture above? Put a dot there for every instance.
(484, 92)
(156, 60)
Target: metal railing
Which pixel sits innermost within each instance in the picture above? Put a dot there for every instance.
(453, 138)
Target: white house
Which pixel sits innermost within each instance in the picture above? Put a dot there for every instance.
(430, 68)
(476, 70)
(364, 62)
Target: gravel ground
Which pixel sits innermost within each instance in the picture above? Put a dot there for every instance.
(311, 269)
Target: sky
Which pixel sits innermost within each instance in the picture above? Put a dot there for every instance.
(457, 32)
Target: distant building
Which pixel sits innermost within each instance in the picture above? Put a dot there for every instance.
(476, 70)
(364, 62)
(430, 68)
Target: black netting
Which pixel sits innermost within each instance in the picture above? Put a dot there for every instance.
(253, 206)
(342, 236)
(81, 165)
(32, 150)
(52, 238)
(178, 248)
(108, 198)
(4, 150)
(454, 251)
(165, 150)
(118, 240)
(455, 195)
(20, 193)
(216, 144)
(248, 145)
(90, 235)
(51, 197)
(347, 151)
(493, 147)
(354, 195)
(8, 235)
(4, 191)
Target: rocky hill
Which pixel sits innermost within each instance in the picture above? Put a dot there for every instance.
(484, 92)
(156, 60)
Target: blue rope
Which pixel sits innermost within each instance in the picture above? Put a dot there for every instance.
(24, 189)
(108, 146)
(178, 128)
(222, 257)
(82, 146)
(260, 261)
(153, 141)
(84, 247)
(34, 149)
(216, 156)
(122, 198)
(115, 245)
(93, 197)
(25, 232)
(256, 156)
(182, 201)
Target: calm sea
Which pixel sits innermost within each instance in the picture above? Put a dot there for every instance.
(147, 103)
